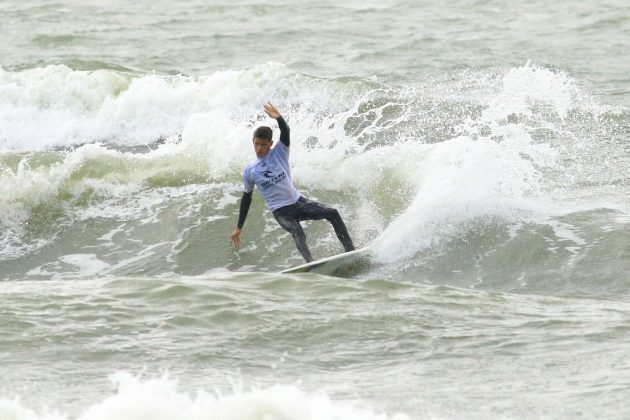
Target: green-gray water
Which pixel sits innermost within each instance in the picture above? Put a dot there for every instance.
(481, 148)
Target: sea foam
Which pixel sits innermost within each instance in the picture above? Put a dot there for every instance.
(160, 398)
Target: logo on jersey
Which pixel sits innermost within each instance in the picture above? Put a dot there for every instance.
(267, 174)
(274, 179)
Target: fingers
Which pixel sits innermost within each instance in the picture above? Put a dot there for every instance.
(235, 240)
(271, 110)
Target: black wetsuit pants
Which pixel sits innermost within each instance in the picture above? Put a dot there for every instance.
(289, 217)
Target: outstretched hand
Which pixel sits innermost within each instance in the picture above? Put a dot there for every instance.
(271, 110)
(235, 238)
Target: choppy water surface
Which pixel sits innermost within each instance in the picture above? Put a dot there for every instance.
(481, 149)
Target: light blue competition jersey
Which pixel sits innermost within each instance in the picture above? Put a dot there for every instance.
(272, 176)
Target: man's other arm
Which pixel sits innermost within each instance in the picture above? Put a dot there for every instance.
(246, 201)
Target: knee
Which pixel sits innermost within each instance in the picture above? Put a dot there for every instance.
(296, 230)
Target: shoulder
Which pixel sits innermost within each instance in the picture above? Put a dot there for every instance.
(252, 164)
(281, 148)
(249, 167)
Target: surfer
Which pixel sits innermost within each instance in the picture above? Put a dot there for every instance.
(271, 173)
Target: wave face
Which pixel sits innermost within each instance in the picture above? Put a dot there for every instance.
(499, 180)
(479, 148)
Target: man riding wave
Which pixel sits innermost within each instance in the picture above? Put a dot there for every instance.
(271, 173)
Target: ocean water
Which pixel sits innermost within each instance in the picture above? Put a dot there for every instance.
(482, 149)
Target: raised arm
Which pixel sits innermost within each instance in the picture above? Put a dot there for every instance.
(271, 110)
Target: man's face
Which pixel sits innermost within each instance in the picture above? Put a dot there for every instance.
(262, 146)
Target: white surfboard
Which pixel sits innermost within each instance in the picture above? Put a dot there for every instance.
(342, 264)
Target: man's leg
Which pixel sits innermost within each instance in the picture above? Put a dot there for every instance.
(313, 210)
(293, 226)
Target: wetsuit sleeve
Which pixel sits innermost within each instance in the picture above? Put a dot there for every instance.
(246, 201)
(248, 183)
(285, 137)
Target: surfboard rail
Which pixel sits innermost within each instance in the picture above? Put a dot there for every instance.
(343, 265)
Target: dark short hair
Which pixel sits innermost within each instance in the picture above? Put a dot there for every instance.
(263, 133)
